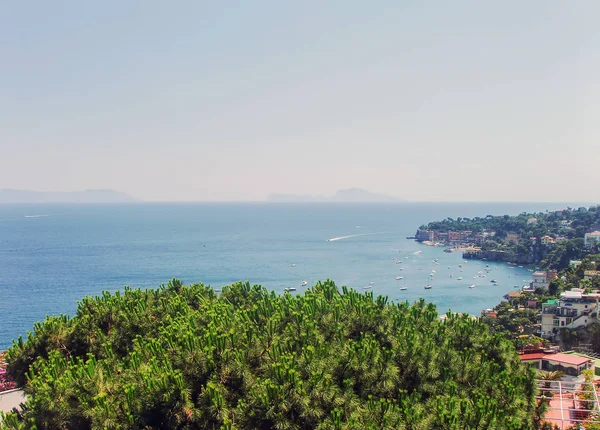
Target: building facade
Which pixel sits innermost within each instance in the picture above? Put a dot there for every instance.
(574, 309)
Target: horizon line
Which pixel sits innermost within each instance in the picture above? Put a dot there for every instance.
(325, 202)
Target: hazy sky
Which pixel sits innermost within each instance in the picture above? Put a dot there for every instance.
(224, 100)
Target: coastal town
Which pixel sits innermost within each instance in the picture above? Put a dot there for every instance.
(554, 320)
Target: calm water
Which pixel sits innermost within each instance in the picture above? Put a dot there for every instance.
(53, 255)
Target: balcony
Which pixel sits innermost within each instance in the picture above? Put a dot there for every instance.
(563, 312)
(560, 312)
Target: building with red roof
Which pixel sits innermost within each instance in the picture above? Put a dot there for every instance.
(570, 364)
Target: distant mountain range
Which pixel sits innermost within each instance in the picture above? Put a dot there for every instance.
(86, 196)
(349, 195)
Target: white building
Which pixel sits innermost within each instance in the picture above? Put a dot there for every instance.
(592, 239)
(540, 279)
(574, 309)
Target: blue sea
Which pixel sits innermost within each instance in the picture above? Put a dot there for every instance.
(53, 255)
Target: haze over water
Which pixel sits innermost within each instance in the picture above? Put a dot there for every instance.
(53, 255)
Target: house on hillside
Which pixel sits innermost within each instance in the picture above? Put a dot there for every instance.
(548, 240)
(591, 274)
(591, 239)
(542, 279)
(532, 221)
(512, 237)
(570, 364)
(574, 309)
(511, 295)
(489, 313)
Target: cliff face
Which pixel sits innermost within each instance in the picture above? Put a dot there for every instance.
(507, 257)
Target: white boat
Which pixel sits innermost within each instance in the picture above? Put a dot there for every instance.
(493, 281)
(402, 288)
(290, 289)
(371, 283)
(402, 268)
(293, 264)
(368, 286)
(427, 287)
(472, 286)
(303, 283)
(459, 278)
(451, 275)
(398, 278)
(398, 261)
(433, 271)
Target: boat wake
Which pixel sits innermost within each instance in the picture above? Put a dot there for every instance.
(37, 216)
(333, 239)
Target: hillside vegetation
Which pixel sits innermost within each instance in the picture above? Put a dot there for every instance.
(569, 226)
(183, 357)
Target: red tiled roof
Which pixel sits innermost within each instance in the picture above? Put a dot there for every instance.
(534, 356)
(575, 360)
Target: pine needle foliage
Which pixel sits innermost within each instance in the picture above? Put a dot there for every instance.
(183, 357)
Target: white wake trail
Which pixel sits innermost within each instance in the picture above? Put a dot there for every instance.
(333, 239)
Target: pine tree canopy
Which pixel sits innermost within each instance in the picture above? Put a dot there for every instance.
(184, 357)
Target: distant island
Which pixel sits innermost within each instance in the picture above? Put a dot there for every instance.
(10, 196)
(349, 195)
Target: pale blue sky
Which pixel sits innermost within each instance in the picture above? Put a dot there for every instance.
(193, 100)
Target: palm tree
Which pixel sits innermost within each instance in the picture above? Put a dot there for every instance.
(548, 378)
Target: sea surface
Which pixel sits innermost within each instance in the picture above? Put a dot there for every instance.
(53, 255)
